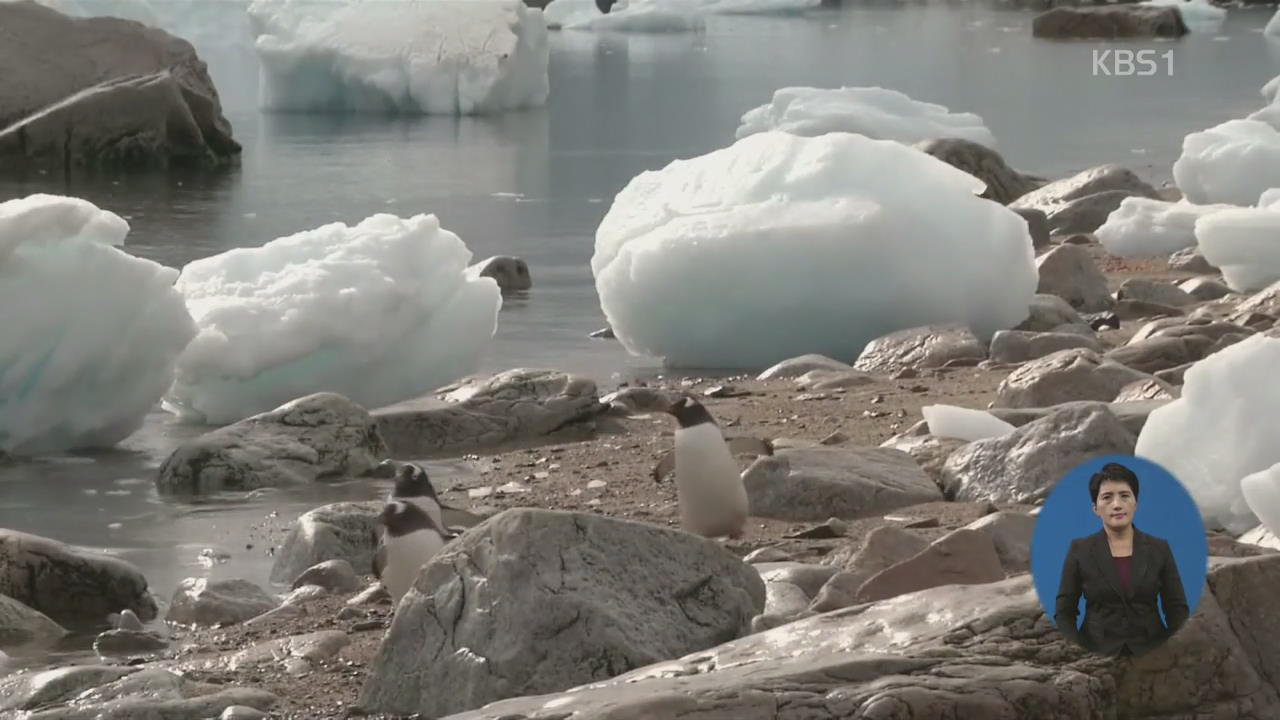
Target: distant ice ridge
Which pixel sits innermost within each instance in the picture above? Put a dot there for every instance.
(433, 57)
(90, 333)
(1230, 163)
(1244, 243)
(659, 16)
(872, 111)
(1221, 430)
(782, 245)
(1142, 227)
(380, 312)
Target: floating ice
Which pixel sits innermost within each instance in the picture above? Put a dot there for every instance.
(1197, 14)
(658, 16)
(950, 421)
(90, 333)
(1244, 243)
(782, 245)
(380, 312)
(871, 111)
(401, 56)
(1261, 491)
(1142, 227)
(1230, 163)
(1221, 429)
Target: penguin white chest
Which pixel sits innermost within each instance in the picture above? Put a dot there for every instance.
(405, 557)
(713, 501)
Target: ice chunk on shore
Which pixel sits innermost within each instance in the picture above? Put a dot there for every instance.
(90, 333)
(1143, 227)
(1261, 491)
(951, 421)
(463, 57)
(782, 245)
(1221, 430)
(1230, 163)
(661, 16)
(1272, 29)
(1244, 243)
(872, 111)
(380, 312)
(1197, 14)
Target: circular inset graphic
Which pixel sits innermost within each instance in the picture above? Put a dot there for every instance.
(1119, 555)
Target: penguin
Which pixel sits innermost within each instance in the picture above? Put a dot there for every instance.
(713, 500)
(413, 486)
(410, 539)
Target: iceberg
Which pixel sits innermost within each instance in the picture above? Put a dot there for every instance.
(1229, 163)
(1143, 227)
(872, 111)
(380, 312)
(1244, 243)
(661, 16)
(90, 333)
(414, 57)
(782, 245)
(952, 421)
(1221, 430)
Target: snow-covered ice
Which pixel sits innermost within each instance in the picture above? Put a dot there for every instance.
(1269, 197)
(1262, 493)
(450, 57)
(1197, 14)
(1272, 29)
(661, 16)
(1271, 89)
(1221, 430)
(90, 332)
(782, 245)
(380, 312)
(1230, 163)
(1244, 243)
(872, 111)
(952, 421)
(1143, 227)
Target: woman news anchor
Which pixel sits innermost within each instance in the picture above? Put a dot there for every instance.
(1121, 571)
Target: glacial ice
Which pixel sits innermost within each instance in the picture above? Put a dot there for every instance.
(951, 421)
(1272, 29)
(90, 333)
(661, 16)
(782, 245)
(380, 312)
(432, 57)
(1271, 89)
(1221, 430)
(1143, 227)
(1269, 197)
(872, 111)
(1230, 163)
(1197, 14)
(1261, 491)
(1244, 243)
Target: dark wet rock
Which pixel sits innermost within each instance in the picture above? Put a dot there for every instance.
(210, 603)
(22, 627)
(336, 576)
(1015, 346)
(1064, 376)
(1048, 312)
(511, 273)
(521, 406)
(1190, 260)
(919, 348)
(538, 600)
(74, 587)
(1011, 532)
(797, 366)
(123, 643)
(341, 531)
(813, 484)
(1120, 21)
(323, 436)
(94, 692)
(962, 557)
(1069, 272)
(1004, 184)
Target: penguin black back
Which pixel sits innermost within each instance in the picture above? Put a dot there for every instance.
(412, 482)
(404, 518)
(690, 413)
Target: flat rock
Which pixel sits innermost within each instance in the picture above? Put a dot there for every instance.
(1156, 291)
(124, 643)
(322, 436)
(1069, 272)
(517, 407)
(797, 366)
(96, 692)
(813, 484)
(309, 648)
(1266, 301)
(1133, 415)
(1011, 532)
(336, 576)
(1149, 389)
(919, 348)
(341, 531)
(1124, 21)
(74, 587)
(1004, 184)
(210, 603)
(1064, 376)
(962, 557)
(1023, 466)
(1047, 312)
(511, 273)
(1159, 353)
(1178, 327)
(883, 547)
(537, 601)
(21, 627)
(1073, 204)
(1190, 260)
(1015, 346)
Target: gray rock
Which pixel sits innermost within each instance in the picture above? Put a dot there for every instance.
(1142, 310)
(1069, 272)
(882, 548)
(1049, 312)
(797, 366)
(1149, 389)
(1015, 346)
(336, 576)
(918, 348)
(322, 436)
(121, 643)
(641, 399)
(767, 555)
(1133, 415)
(516, 407)
(1190, 260)
(341, 531)
(93, 692)
(962, 557)
(1156, 291)
(1085, 215)
(1023, 466)
(784, 600)
(1073, 204)
(206, 603)
(1037, 225)
(304, 594)
(74, 587)
(536, 601)
(1081, 328)
(1266, 301)
(813, 484)
(511, 273)
(102, 91)
(1159, 353)
(310, 648)
(1064, 376)
(126, 620)
(1004, 184)
(1124, 21)
(1011, 532)
(371, 596)
(1178, 327)
(818, 380)
(929, 451)
(809, 578)
(1173, 376)
(21, 627)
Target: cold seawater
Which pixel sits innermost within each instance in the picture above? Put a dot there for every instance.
(536, 184)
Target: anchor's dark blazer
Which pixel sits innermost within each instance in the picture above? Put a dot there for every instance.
(1115, 619)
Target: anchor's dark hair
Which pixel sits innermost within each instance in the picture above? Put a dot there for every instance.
(1116, 473)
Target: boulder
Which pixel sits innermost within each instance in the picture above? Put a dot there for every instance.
(322, 436)
(511, 273)
(962, 557)
(807, 577)
(517, 407)
(1015, 346)
(1069, 272)
(1064, 376)
(74, 587)
(535, 601)
(335, 576)
(1037, 225)
(1191, 261)
(341, 531)
(1048, 312)
(124, 643)
(1149, 389)
(813, 484)
(1160, 353)
(1156, 291)
(882, 548)
(1023, 466)
(929, 451)
(797, 366)
(21, 627)
(1085, 215)
(98, 692)
(918, 348)
(1121, 21)
(1004, 184)
(1133, 414)
(103, 91)
(1142, 310)
(1266, 301)
(211, 603)
(1204, 289)
(1011, 532)
(1081, 203)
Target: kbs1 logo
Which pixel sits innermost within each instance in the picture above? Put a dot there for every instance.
(1132, 63)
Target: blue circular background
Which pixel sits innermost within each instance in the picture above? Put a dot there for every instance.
(1165, 509)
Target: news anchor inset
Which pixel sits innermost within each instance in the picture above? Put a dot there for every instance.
(1130, 585)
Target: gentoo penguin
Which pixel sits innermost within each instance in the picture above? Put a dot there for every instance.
(410, 539)
(713, 501)
(413, 486)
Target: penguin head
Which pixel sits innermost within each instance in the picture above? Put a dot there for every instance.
(412, 482)
(403, 518)
(689, 412)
